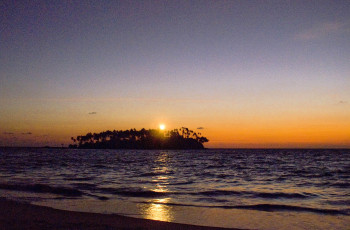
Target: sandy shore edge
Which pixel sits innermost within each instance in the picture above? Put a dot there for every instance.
(20, 215)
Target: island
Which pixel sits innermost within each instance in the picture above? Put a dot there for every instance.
(182, 138)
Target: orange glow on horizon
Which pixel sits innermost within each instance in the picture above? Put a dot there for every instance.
(226, 129)
(224, 137)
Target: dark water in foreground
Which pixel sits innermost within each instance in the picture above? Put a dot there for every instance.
(305, 185)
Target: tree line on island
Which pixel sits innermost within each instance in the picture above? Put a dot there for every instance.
(182, 138)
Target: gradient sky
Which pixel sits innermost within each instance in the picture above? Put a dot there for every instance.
(252, 73)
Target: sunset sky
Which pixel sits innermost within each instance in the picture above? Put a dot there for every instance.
(251, 73)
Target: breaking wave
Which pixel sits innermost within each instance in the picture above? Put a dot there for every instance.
(42, 188)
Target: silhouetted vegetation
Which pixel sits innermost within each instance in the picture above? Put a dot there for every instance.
(141, 139)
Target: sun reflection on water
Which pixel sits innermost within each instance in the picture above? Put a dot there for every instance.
(158, 211)
(156, 208)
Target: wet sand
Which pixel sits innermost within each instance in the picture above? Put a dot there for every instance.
(18, 215)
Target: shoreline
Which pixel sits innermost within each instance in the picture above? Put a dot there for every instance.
(21, 215)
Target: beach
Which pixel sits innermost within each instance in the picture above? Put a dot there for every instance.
(20, 215)
(24, 215)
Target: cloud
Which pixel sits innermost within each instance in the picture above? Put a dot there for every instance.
(322, 30)
(92, 113)
(8, 133)
(28, 133)
(342, 102)
(200, 128)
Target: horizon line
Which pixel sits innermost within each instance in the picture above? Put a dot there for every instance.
(301, 148)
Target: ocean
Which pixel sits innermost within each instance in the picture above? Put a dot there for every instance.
(241, 188)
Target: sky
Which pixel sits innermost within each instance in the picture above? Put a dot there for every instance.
(252, 74)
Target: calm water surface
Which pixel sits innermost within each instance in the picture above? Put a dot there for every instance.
(265, 189)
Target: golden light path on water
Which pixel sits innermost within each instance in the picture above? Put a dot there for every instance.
(156, 209)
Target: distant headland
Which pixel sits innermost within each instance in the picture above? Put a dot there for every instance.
(182, 138)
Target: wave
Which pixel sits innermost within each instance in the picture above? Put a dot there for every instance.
(182, 183)
(215, 166)
(278, 207)
(268, 208)
(42, 188)
(273, 195)
(218, 193)
(205, 194)
(135, 193)
(102, 198)
(69, 177)
(211, 200)
(340, 185)
(339, 202)
(85, 186)
(277, 195)
(155, 174)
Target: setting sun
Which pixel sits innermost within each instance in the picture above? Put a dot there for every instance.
(226, 114)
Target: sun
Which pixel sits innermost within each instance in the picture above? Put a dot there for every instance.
(161, 126)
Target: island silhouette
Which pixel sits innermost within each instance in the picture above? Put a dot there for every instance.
(182, 138)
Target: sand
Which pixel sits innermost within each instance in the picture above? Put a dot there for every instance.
(18, 215)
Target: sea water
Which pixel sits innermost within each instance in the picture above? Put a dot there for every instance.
(242, 188)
